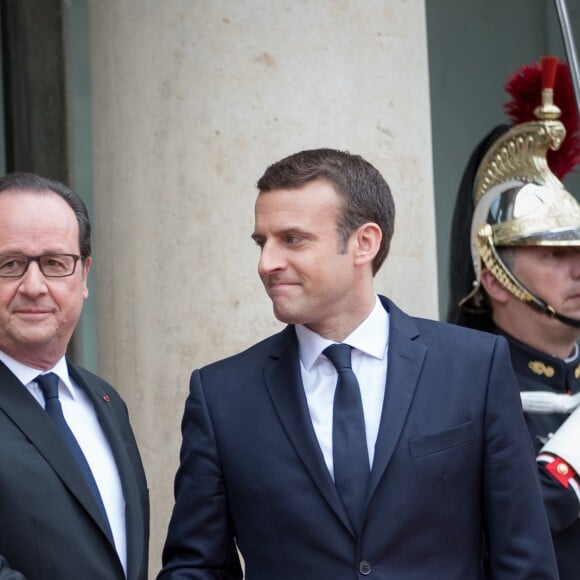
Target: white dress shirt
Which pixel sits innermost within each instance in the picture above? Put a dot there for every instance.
(82, 419)
(369, 362)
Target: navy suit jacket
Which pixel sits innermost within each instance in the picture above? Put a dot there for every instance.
(50, 525)
(453, 470)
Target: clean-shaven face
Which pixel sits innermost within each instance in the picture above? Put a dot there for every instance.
(552, 273)
(308, 280)
(38, 314)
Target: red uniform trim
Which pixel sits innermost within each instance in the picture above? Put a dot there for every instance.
(561, 472)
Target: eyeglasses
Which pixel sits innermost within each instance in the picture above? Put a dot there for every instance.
(51, 265)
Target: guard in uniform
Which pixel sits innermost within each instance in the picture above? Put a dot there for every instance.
(515, 270)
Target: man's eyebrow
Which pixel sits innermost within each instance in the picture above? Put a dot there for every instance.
(299, 231)
(292, 230)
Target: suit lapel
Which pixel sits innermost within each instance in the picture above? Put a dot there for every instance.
(31, 419)
(109, 423)
(282, 375)
(405, 360)
(284, 383)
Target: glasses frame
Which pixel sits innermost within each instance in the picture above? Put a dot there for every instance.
(37, 259)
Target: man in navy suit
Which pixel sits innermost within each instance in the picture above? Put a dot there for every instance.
(447, 474)
(73, 496)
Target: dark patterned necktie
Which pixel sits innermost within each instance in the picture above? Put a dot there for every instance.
(49, 386)
(349, 443)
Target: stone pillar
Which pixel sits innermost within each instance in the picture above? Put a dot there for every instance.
(191, 102)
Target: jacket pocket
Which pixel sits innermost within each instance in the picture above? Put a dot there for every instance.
(454, 437)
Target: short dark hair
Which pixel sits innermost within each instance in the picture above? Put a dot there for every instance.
(367, 196)
(31, 182)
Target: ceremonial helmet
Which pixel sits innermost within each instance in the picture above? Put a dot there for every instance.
(515, 196)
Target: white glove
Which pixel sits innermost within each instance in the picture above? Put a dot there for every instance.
(565, 443)
(547, 402)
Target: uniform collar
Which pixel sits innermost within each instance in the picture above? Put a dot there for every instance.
(544, 368)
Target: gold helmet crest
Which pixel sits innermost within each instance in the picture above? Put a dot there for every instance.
(519, 201)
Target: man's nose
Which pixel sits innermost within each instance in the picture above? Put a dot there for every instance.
(271, 259)
(33, 281)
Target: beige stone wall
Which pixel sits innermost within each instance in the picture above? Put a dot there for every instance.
(192, 99)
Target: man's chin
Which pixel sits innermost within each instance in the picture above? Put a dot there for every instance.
(286, 315)
(283, 316)
(568, 330)
(34, 336)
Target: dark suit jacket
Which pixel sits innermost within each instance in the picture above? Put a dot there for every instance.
(50, 525)
(453, 464)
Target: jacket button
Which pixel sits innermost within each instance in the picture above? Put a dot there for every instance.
(365, 568)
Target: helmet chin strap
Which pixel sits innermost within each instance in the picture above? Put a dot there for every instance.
(542, 306)
(508, 280)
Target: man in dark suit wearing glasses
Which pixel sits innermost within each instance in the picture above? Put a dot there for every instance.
(73, 495)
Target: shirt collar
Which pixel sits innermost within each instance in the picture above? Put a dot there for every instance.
(26, 374)
(370, 336)
(573, 356)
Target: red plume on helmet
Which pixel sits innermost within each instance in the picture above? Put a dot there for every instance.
(525, 88)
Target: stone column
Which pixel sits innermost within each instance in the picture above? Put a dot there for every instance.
(191, 102)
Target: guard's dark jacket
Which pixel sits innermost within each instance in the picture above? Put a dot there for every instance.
(537, 371)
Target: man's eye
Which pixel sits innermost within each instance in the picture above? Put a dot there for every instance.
(558, 253)
(8, 264)
(55, 264)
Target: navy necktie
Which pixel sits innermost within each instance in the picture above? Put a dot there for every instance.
(49, 386)
(349, 443)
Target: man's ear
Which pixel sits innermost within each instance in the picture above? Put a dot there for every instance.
(367, 239)
(86, 265)
(493, 288)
